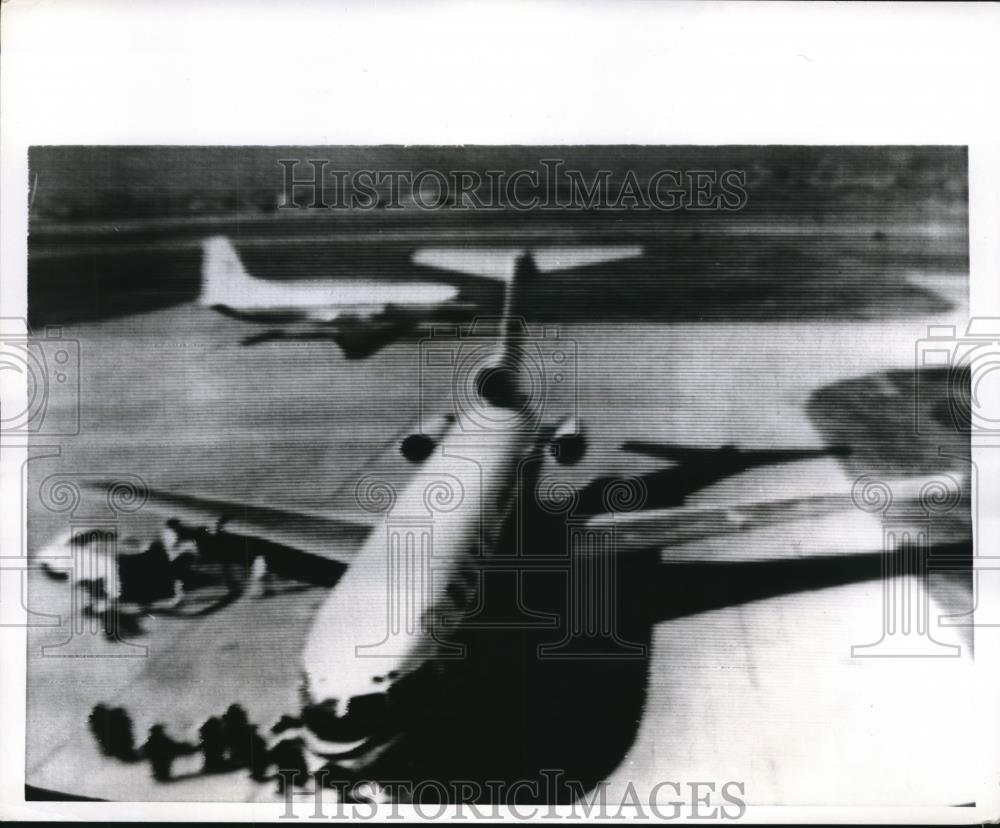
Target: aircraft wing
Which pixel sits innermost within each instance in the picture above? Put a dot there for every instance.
(326, 537)
(801, 527)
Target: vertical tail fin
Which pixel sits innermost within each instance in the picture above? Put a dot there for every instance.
(513, 322)
(501, 383)
(224, 280)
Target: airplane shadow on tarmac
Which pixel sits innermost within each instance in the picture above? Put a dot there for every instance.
(558, 726)
(531, 704)
(563, 718)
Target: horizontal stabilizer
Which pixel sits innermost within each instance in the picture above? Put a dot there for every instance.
(499, 262)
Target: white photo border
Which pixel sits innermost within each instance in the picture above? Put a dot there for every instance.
(307, 73)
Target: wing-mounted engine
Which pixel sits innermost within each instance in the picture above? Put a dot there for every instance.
(419, 445)
(568, 444)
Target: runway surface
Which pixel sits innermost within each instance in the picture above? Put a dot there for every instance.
(759, 687)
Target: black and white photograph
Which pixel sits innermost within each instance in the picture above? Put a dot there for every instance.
(501, 480)
(493, 473)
